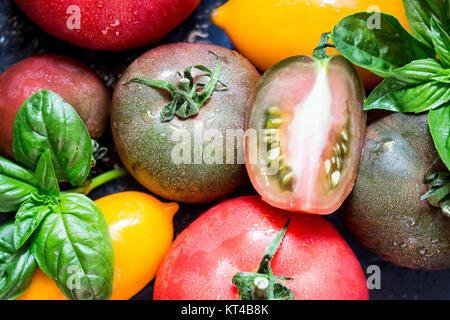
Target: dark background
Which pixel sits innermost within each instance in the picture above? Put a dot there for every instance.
(20, 38)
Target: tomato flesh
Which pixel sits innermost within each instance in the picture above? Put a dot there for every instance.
(311, 116)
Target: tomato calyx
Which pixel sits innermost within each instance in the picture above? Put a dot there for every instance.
(263, 285)
(189, 96)
(98, 152)
(439, 193)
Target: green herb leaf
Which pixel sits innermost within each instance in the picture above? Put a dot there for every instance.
(419, 14)
(247, 282)
(441, 42)
(29, 218)
(46, 122)
(45, 175)
(16, 185)
(16, 267)
(380, 50)
(439, 123)
(74, 248)
(187, 98)
(439, 193)
(272, 249)
(411, 89)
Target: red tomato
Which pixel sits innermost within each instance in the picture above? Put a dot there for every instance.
(108, 24)
(233, 236)
(73, 81)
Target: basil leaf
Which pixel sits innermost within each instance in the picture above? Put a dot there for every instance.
(443, 76)
(379, 50)
(439, 123)
(74, 248)
(44, 122)
(419, 71)
(29, 218)
(16, 185)
(16, 267)
(419, 14)
(441, 42)
(45, 175)
(410, 89)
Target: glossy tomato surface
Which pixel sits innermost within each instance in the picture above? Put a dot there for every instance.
(74, 82)
(305, 134)
(108, 24)
(385, 211)
(150, 148)
(233, 236)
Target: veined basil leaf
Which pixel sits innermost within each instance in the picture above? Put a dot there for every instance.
(441, 42)
(16, 185)
(73, 247)
(29, 218)
(419, 14)
(443, 76)
(410, 89)
(380, 50)
(45, 175)
(44, 122)
(419, 71)
(439, 123)
(16, 267)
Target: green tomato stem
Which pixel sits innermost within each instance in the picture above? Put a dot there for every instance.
(260, 288)
(106, 177)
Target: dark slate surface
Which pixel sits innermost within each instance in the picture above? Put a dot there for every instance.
(20, 38)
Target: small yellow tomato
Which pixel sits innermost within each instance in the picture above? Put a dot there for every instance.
(42, 288)
(268, 31)
(141, 230)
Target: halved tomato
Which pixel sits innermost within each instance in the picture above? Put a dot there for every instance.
(305, 134)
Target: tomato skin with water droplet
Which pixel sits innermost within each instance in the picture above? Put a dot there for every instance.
(233, 236)
(146, 145)
(108, 25)
(384, 211)
(309, 120)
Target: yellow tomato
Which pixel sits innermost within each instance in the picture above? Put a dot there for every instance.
(267, 31)
(141, 231)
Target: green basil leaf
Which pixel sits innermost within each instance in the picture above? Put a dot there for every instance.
(16, 185)
(419, 71)
(410, 89)
(443, 76)
(16, 267)
(29, 218)
(441, 42)
(45, 175)
(419, 14)
(46, 121)
(380, 50)
(73, 247)
(439, 123)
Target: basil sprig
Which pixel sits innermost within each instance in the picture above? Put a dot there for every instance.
(263, 285)
(64, 233)
(415, 80)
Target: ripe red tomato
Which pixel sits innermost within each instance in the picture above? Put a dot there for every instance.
(73, 81)
(309, 122)
(108, 25)
(233, 236)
